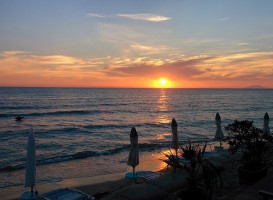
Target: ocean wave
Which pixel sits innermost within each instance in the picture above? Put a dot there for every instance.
(64, 112)
(88, 128)
(54, 113)
(154, 125)
(113, 126)
(80, 155)
(18, 107)
(63, 130)
(100, 126)
(86, 154)
(113, 104)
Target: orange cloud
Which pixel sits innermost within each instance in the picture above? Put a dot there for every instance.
(234, 70)
(54, 70)
(145, 17)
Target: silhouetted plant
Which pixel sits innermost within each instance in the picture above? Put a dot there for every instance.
(192, 160)
(244, 136)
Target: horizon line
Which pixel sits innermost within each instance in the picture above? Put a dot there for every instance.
(258, 88)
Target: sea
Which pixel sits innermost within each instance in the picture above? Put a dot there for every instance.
(84, 132)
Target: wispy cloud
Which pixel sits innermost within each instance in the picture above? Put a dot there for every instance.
(242, 69)
(13, 53)
(28, 69)
(247, 66)
(96, 15)
(145, 50)
(60, 70)
(117, 33)
(145, 17)
(176, 69)
(242, 43)
(195, 41)
(223, 19)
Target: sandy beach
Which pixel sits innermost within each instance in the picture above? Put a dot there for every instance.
(94, 184)
(104, 186)
(149, 161)
(98, 186)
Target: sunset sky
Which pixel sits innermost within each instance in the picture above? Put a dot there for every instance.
(126, 43)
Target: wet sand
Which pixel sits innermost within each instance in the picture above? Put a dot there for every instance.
(96, 184)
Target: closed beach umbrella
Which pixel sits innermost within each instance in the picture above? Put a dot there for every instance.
(133, 159)
(30, 179)
(175, 144)
(266, 129)
(219, 133)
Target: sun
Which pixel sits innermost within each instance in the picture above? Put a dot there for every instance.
(162, 83)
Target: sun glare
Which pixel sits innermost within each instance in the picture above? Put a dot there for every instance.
(162, 83)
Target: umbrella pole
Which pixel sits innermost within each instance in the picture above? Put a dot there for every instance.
(134, 175)
(31, 190)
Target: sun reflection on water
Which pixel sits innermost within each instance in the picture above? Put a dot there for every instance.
(160, 156)
(162, 107)
(163, 136)
(162, 101)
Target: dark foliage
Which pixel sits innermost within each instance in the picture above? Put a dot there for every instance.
(244, 136)
(192, 160)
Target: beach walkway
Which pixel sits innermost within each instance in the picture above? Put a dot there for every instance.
(154, 189)
(162, 187)
(252, 192)
(159, 188)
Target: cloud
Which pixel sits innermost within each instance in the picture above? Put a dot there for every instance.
(242, 43)
(58, 60)
(243, 69)
(236, 67)
(13, 53)
(25, 69)
(96, 15)
(247, 66)
(223, 19)
(152, 69)
(145, 17)
(118, 34)
(146, 50)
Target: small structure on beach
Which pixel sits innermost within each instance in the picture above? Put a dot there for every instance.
(219, 135)
(266, 129)
(175, 144)
(133, 159)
